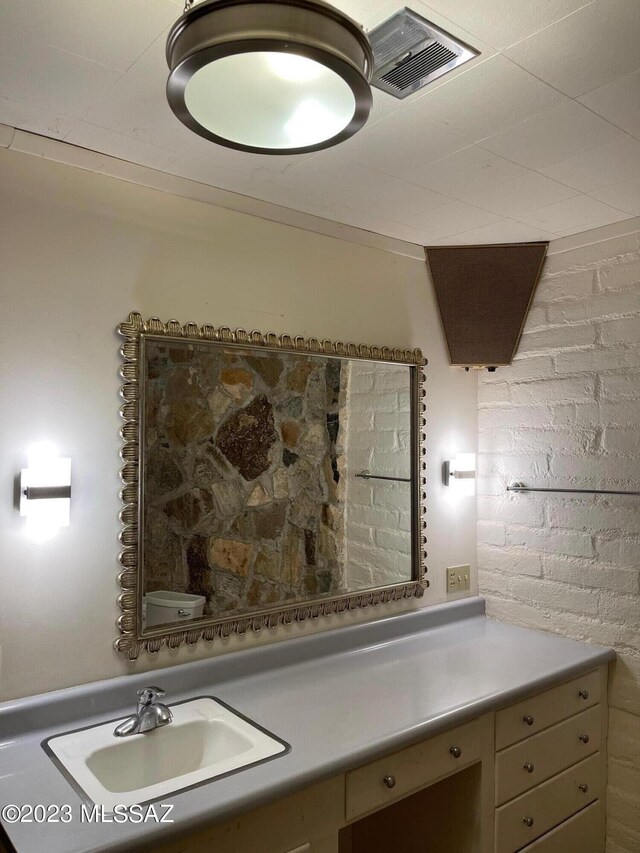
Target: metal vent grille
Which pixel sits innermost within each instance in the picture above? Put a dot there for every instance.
(410, 52)
(419, 65)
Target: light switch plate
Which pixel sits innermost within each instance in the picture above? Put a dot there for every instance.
(453, 580)
(458, 578)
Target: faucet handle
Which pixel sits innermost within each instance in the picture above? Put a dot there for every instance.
(149, 695)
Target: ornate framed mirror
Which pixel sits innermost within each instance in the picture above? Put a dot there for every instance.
(265, 479)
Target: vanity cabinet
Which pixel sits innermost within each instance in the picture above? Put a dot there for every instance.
(304, 822)
(375, 785)
(551, 769)
(344, 814)
(542, 710)
(546, 754)
(436, 795)
(529, 777)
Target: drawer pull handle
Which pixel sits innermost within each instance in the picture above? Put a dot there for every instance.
(529, 767)
(528, 821)
(455, 751)
(584, 738)
(390, 781)
(583, 788)
(583, 694)
(528, 719)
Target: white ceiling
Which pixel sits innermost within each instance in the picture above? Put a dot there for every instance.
(538, 137)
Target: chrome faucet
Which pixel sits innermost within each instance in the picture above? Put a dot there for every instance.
(151, 714)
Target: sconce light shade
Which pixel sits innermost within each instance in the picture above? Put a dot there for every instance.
(45, 491)
(460, 473)
(269, 76)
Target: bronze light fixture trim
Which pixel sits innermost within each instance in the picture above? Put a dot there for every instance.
(269, 76)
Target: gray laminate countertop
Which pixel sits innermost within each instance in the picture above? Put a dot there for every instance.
(340, 698)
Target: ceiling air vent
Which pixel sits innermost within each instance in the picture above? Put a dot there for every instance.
(409, 52)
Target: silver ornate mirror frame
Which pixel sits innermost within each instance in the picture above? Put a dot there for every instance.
(133, 638)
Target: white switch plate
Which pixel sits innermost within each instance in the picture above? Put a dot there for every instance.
(452, 580)
(458, 578)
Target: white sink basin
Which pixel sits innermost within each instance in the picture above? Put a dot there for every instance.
(206, 740)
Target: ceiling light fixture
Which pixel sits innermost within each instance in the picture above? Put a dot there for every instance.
(269, 76)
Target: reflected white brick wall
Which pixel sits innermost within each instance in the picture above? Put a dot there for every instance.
(378, 512)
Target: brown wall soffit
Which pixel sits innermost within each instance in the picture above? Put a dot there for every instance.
(484, 294)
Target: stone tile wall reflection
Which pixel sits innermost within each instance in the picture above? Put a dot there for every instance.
(244, 493)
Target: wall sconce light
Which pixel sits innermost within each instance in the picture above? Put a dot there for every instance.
(45, 491)
(460, 473)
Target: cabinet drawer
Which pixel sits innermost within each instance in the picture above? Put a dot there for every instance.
(536, 812)
(584, 832)
(540, 757)
(387, 779)
(544, 709)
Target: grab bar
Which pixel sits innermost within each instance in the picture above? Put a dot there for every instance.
(520, 487)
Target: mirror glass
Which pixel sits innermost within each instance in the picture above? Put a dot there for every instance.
(270, 478)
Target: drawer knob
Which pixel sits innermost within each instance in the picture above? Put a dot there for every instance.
(390, 781)
(528, 821)
(583, 694)
(528, 719)
(529, 767)
(455, 751)
(584, 738)
(583, 788)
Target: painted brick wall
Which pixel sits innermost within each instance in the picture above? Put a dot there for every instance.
(378, 512)
(567, 413)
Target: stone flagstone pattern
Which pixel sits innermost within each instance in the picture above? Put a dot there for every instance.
(244, 494)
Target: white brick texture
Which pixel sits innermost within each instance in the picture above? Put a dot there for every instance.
(378, 512)
(567, 414)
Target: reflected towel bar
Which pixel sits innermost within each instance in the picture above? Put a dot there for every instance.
(365, 475)
(520, 487)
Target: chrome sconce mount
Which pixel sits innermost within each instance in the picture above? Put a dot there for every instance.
(45, 491)
(462, 468)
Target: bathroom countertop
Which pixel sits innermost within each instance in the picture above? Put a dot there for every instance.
(340, 698)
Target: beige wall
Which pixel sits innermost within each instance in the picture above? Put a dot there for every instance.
(79, 251)
(567, 414)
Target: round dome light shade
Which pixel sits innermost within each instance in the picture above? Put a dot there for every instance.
(246, 99)
(269, 77)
